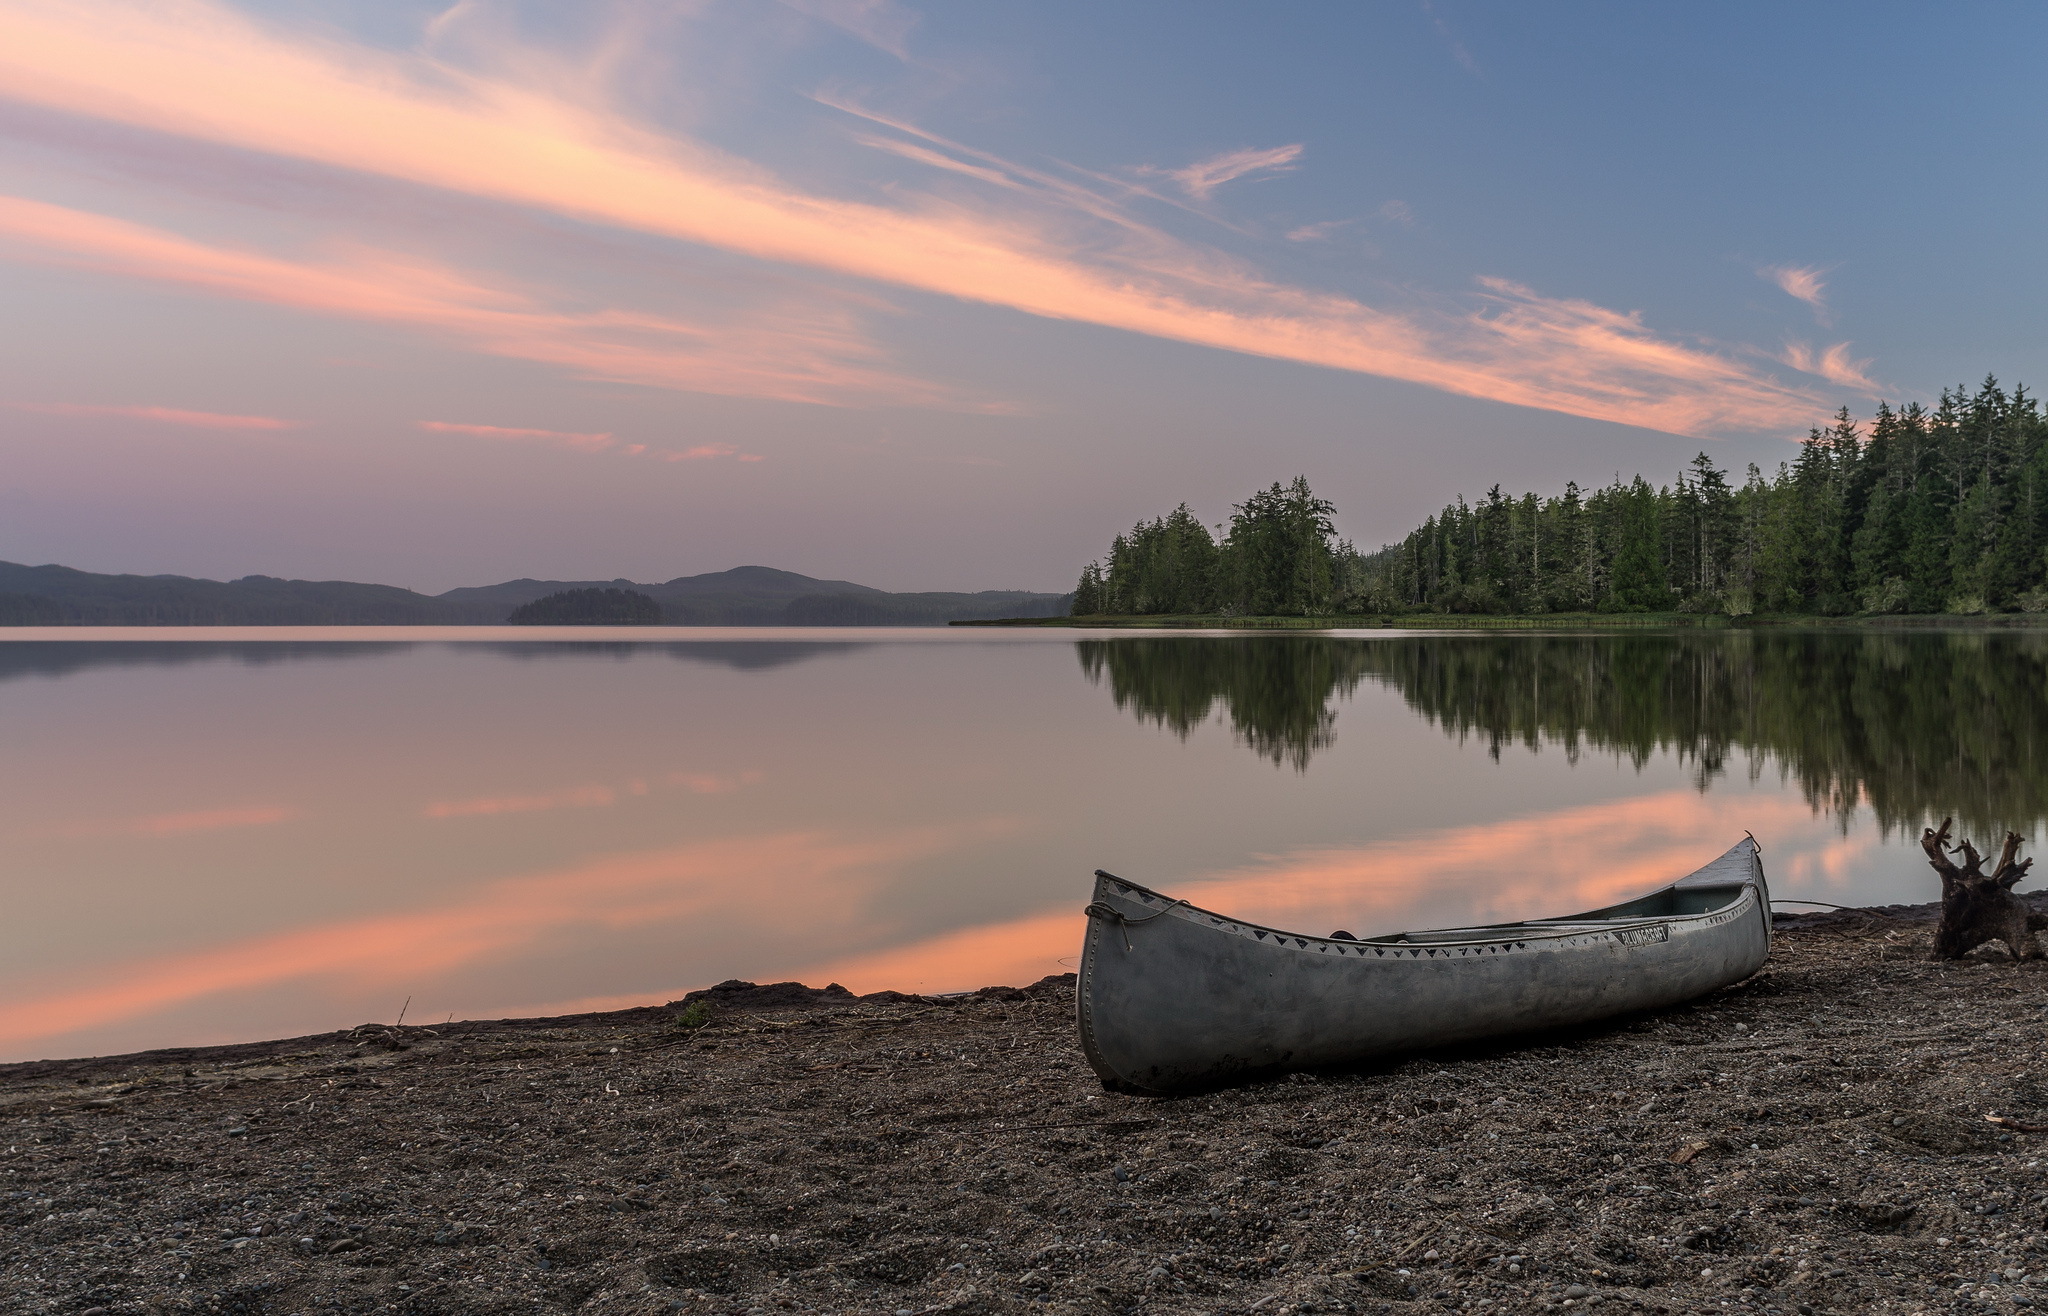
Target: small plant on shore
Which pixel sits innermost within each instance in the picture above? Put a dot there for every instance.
(694, 1015)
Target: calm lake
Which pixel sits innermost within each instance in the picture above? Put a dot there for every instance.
(230, 835)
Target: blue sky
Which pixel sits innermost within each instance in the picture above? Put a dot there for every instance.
(943, 296)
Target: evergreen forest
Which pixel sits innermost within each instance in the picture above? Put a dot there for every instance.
(1922, 510)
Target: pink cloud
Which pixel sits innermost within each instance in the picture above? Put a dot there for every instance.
(202, 70)
(210, 420)
(187, 823)
(1803, 282)
(883, 24)
(812, 353)
(568, 439)
(589, 442)
(1832, 364)
(710, 451)
(582, 797)
(210, 820)
(1203, 177)
(936, 160)
(1316, 232)
(712, 783)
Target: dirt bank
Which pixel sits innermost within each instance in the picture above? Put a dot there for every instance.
(1811, 1140)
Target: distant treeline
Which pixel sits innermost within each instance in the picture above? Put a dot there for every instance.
(1926, 511)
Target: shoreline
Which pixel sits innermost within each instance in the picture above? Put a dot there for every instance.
(723, 997)
(1810, 1140)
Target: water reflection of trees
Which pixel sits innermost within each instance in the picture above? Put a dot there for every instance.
(1914, 724)
(59, 658)
(1275, 690)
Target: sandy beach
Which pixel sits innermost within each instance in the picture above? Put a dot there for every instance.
(1812, 1140)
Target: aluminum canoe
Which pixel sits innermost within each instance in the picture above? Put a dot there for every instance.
(1174, 998)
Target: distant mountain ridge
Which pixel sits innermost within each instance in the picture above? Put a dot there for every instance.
(743, 596)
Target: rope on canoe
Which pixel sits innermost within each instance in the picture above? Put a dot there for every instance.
(1782, 900)
(1847, 909)
(1096, 909)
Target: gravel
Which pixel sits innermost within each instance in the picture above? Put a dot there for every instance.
(1812, 1140)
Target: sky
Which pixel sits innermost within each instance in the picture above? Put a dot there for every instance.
(943, 296)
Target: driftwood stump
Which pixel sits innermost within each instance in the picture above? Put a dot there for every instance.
(1976, 908)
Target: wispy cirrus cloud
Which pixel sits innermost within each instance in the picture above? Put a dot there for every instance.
(203, 71)
(883, 24)
(580, 797)
(188, 822)
(1805, 283)
(567, 438)
(937, 160)
(717, 783)
(204, 420)
(1450, 38)
(212, 820)
(1203, 177)
(1832, 364)
(578, 442)
(711, 452)
(796, 353)
(1316, 232)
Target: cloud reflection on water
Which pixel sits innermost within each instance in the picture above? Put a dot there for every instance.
(829, 877)
(1531, 867)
